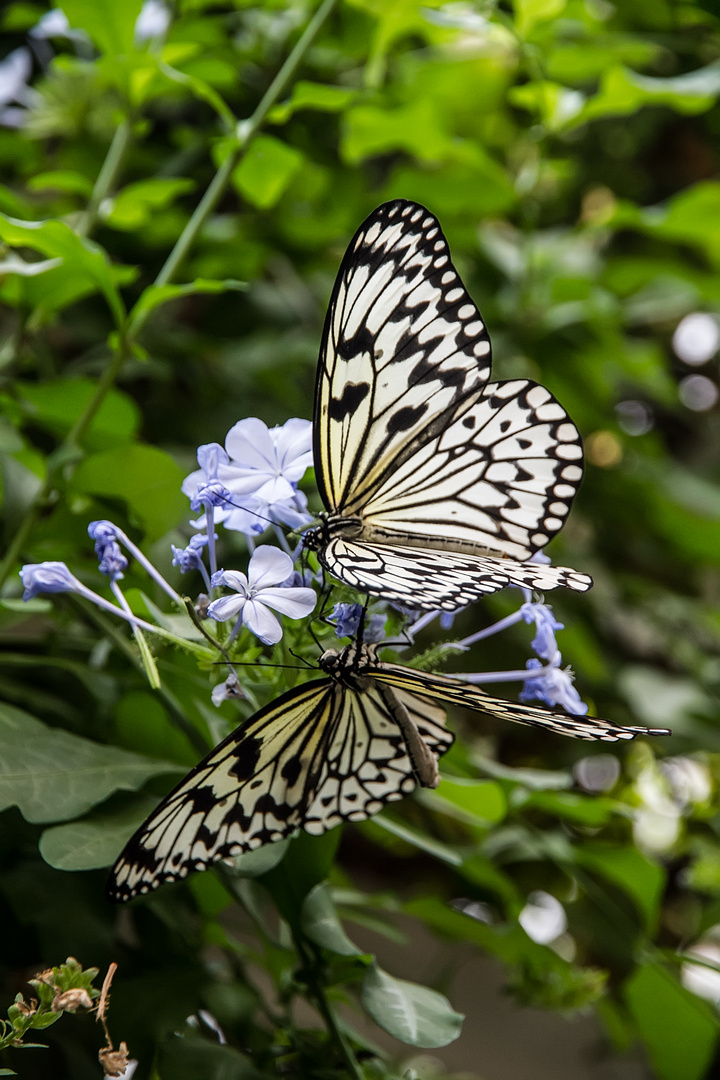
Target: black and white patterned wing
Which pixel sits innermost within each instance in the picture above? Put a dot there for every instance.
(502, 476)
(252, 789)
(404, 351)
(442, 688)
(368, 764)
(426, 579)
(319, 755)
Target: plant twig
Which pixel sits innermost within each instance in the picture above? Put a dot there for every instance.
(246, 129)
(106, 177)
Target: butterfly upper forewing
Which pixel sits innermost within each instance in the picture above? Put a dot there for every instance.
(252, 789)
(443, 688)
(403, 348)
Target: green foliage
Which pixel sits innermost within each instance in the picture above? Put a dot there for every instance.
(173, 215)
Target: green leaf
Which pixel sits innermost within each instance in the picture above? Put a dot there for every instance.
(414, 1014)
(110, 24)
(623, 91)
(418, 839)
(319, 921)
(265, 170)
(146, 478)
(535, 779)
(316, 96)
(416, 128)
(61, 180)
(479, 801)
(255, 863)
(53, 775)
(306, 863)
(83, 260)
(642, 879)
(572, 806)
(135, 205)
(192, 1058)
(57, 404)
(97, 840)
(529, 13)
(155, 295)
(679, 1031)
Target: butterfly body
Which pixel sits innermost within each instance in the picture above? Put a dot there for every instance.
(335, 749)
(438, 485)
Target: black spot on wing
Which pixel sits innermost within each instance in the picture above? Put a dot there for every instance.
(203, 798)
(291, 770)
(352, 395)
(247, 755)
(405, 419)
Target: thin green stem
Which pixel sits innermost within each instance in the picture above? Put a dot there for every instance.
(246, 129)
(176, 714)
(309, 958)
(105, 383)
(106, 177)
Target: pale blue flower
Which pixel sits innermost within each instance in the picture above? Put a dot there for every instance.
(190, 557)
(544, 642)
(48, 577)
(260, 461)
(259, 591)
(267, 462)
(346, 618)
(112, 561)
(554, 686)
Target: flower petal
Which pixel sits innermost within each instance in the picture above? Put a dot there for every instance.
(268, 566)
(227, 607)
(250, 445)
(262, 622)
(210, 457)
(297, 603)
(235, 579)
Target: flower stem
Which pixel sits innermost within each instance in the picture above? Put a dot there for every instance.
(246, 129)
(106, 177)
(311, 977)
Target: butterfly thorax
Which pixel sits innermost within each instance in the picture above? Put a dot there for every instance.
(330, 527)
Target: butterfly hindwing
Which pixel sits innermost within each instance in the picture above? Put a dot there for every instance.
(368, 764)
(426, 579)
(503, 475)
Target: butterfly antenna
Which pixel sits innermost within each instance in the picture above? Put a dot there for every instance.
(302, 660)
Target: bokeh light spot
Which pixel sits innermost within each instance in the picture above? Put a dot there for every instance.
(696, 338)
(604, 449)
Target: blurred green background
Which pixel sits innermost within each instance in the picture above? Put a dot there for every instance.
(570, 151)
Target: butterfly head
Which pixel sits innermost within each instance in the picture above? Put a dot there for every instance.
(349, 664)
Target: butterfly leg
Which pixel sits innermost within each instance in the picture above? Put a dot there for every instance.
(424, 762)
